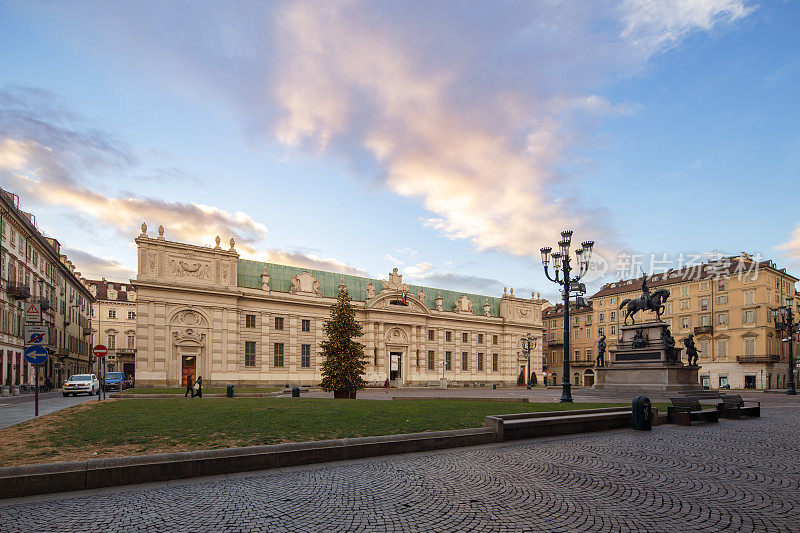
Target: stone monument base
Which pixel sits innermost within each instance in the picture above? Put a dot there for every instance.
(636, 378)
(646, 362)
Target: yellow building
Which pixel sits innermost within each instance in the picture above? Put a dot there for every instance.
(582, 345)
(726, 305)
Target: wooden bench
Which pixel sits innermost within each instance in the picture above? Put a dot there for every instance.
(684, 410)
(733, 406)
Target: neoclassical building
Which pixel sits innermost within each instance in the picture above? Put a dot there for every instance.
(204, 311)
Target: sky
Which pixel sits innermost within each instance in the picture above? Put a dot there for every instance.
(449, 139)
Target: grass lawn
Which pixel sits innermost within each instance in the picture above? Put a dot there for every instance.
(154, 425)
(206, 390)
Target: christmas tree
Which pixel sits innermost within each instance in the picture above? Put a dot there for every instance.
(343, 363)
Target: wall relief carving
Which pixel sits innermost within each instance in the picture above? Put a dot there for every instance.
(188, 334)
(464, 305)
(395, 282)
(397, 336)
(190, 269)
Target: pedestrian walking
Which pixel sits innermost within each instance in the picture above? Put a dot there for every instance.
(198, 387)
(189, 383)
(386, 385)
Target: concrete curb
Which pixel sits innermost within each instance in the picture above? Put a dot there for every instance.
(123, 396)
(28, 480)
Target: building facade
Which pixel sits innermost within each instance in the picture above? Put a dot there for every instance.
(34, 270)
(726, 305)
(204, 311)
(114, 324)
(582, 345)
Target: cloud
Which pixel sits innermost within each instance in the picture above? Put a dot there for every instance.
(94, 267)
(474, 109)
(49, 156)
(792, 247)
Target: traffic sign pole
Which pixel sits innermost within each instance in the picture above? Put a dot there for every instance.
(100, 352)
(36, 391)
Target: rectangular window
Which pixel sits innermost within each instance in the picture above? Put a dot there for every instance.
(431, 335)
(601, 331)
(112, 313)
(480, 338)
(750, 346)
(448, 360)
(722, 284)
(749, 297)
(480, 362)
(588, 354)
(705, 320)
(685, 290)
(278, 348)
(375, 357)
(249, 353)
(112, 342)
(465, 337)
(431, 359)
(602, 317)
(722, 348)
(305, 355)
(131, 314)
(588, 320)
(576, 321)
(749, 316)
(495, 362)
(576, 333)
(685, 304)
(722, 299)
(278, 322)
(704, 285)
(131, 342)
(686, 322)
(249, 321)
(464, 361)
(613, 330)
(494, 339)
(448, 336)
(704, 304)
(723, 381)
(305, 325)
(588, 333)
(612, 316)
(722, 319)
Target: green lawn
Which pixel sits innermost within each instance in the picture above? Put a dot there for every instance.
(206, 390)
(151, 425)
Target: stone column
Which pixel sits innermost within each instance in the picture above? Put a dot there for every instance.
(412, 348)
(383, 357)
(291, 358)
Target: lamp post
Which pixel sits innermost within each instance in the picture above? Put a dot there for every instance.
(784, 323)
(528, 343)
(564, 277)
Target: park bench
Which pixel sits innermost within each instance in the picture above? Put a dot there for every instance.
(733, 406)
(549, 423)
(685, 410)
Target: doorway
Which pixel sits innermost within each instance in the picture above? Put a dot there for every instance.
(188, 366)
(395, 365)
(749, 381)
(588, 378)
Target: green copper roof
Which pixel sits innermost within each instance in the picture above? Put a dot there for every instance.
(280, 280)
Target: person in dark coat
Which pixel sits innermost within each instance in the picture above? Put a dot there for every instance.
(189, 383)
(198, 387)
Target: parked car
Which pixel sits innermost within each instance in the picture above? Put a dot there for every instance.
(114, 381)
(80, 383)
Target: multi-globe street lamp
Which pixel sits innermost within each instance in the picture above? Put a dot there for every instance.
(784, 323)
(528, 344)
(563, 276)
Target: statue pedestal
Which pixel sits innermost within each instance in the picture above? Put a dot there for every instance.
(644, 362)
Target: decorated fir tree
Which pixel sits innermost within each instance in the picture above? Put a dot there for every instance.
(343, 364)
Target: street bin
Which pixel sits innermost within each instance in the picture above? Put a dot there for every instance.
(230, 391)
(296, 392)
(642, 416)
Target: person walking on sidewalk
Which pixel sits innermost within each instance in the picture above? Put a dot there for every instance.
(189, 383)
(198, 387)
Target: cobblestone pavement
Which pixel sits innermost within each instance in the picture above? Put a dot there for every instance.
(735, 475)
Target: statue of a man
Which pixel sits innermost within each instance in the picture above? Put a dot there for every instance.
(601, 351)
(639, 341)
(669, 345)
(691, 350)
(645, 290)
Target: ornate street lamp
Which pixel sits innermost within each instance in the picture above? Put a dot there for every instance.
(784, 323)
(563, 276)
(528, 343)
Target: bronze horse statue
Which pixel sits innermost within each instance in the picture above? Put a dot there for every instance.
(653, 302)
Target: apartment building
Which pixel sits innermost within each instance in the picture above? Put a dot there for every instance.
(114, 324)
(582, 345)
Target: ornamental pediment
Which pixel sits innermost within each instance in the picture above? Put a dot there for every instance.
(188, 336)
(464, 305)
(394, 302)
(305, 283)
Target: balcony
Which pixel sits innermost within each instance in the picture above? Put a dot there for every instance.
(703, 330)
(87, 331)
(758, 358)
(44, 303)
(18, 291)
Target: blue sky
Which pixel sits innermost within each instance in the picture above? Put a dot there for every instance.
(452, 140)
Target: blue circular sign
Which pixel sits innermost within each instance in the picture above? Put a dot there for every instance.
(36, 355)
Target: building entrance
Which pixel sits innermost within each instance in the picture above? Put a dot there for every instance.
(188, 366)
(395, 365)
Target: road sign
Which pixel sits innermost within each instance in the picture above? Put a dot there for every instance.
(33, 313)
(37, 334)
(100, 351)
(36, 355)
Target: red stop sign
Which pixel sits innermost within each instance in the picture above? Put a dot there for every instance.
(100, 351)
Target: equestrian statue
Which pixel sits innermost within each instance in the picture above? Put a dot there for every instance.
(647, 302)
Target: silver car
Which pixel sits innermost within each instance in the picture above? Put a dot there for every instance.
(81, 383)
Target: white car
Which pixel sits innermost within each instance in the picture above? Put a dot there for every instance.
(80, 383)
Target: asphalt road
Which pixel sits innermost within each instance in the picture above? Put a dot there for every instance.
(16, 409)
